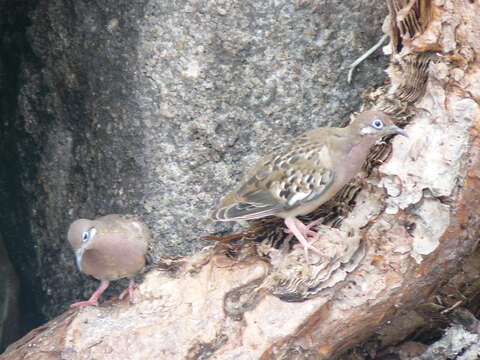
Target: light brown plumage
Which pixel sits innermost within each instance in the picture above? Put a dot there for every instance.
(109, 248)
(296, 179)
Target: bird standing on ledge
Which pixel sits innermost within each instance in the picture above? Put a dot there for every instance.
(109, 248)
(296, 179)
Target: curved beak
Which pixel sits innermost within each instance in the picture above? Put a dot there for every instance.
(393, 129)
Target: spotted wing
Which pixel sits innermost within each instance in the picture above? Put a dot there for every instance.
(280, 182)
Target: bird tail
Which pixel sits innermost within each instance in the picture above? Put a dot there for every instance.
(242, 211)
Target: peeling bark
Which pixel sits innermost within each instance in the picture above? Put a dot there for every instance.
(414, 221)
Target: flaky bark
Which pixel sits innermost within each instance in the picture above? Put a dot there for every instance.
(416, 219)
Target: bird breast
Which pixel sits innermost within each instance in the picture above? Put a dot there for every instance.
(352, 163)
(117, 253)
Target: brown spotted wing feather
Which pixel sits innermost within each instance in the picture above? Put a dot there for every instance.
(286, 178)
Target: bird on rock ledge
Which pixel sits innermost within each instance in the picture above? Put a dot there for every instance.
(109, 248)
(296, 179)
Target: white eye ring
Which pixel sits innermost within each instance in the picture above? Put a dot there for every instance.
(377, 124)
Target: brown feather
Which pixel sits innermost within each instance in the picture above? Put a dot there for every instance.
(117, 248)
(296, 178)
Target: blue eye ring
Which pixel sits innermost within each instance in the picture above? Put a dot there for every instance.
(89, 234)
(377, 124)
(85, 236)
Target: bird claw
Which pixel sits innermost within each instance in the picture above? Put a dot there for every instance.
(93, 301)
(306, 229)
(308, 245)
(132, 286)
(312, 224)
(304, 235)
(306, 232)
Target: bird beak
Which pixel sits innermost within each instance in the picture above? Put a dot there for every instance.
(396, 130)
(78, 257)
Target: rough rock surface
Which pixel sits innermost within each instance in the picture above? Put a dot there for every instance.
(155, 108)
(10, 320)
(457, 343)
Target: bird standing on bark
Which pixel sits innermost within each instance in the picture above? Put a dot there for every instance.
(296, 179)
(109, 248)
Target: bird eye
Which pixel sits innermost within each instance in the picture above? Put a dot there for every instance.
(89, 234)
(377, 124)
(85, 236)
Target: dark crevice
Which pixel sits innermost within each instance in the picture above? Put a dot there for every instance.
(14, 163)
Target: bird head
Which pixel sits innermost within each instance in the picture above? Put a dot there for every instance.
(81, 236)
(376, 124)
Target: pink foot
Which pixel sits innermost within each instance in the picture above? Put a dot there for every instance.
(312, 224)
(93, 301)
(302, 232)
(305, 229)
(132, 286)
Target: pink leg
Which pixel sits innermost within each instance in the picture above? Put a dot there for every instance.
(299, 230)
(132, 286)
(313, 223)
(305, 229)
(310, 235)
(93, 301)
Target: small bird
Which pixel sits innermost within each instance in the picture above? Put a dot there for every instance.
(109, 248)
(296, 179)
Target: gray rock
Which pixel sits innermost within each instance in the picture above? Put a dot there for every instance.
(10, 321)
(157, 107)
(457, 343)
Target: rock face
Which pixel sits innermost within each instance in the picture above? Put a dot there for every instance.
(155, 108)
(10, 321)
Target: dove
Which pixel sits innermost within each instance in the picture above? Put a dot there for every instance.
(109, 248)
(295, 179)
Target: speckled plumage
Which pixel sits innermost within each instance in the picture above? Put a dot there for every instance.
(109, 248)
(296, 179)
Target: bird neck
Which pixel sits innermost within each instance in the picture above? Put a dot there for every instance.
(346, 140)
(361, 146)
(355, 154)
